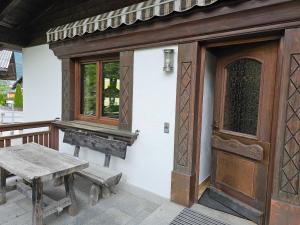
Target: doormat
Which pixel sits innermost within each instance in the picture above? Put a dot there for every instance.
(191, 217)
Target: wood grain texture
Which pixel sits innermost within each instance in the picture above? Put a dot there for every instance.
(231, 171)
(37, 202)
(2, 186)
(70, 192)
(287, 172)
(255, 152)
(32, 161)
(98, 129)
(96, 143)
(245, 176)
(284, 213)
(126, 89)
(68, 89)
(185, 107)
(185, 127)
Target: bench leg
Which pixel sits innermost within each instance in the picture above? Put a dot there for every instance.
(37, 202)
(2, 186)
(58, 181)
(106, 192)
(69, 186)
(95, 193)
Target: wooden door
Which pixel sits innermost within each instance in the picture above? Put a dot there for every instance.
(243, 108)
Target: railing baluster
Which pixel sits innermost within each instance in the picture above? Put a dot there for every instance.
(41, 139)
(25, 140)
(46, 139)
(7, 143)
(1, 143)
(36, 139)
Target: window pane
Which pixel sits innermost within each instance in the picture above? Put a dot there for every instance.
(242, 96)
(88, 89)
(111, 90)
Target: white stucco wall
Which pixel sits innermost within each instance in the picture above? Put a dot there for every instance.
(149, 161)
(41, 84)
(207, 117)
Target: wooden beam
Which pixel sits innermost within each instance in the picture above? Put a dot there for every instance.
(12, 37)
(12, 5)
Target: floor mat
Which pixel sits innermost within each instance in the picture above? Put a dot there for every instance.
(209, 202)
(191, 217)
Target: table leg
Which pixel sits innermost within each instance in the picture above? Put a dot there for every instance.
(69, 186)
(37, 202)
(2, 186)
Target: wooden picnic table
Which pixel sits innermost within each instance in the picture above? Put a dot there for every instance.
(37, 164)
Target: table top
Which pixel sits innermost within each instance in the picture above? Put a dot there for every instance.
(32, 161)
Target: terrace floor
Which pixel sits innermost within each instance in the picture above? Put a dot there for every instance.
(130, 206)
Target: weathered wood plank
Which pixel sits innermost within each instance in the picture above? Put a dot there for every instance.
(7, 142)
(70, 192)
(99, 130)
(37, 202)
(101, 175)
(31, 161)
(2, 186)
(50, 206)
(106, 146)
(234, 146)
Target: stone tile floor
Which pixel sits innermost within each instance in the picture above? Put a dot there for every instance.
(129, 206)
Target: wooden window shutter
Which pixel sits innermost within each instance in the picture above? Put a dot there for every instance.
(68, 92)
(126, 92)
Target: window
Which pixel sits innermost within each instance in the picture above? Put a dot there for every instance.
(97, 88)
(242, 96)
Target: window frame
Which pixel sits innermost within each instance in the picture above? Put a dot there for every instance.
(99, 79)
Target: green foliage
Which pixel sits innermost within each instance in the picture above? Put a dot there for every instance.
(2, 99)
(18, 97)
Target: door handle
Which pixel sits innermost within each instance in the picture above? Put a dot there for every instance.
(216, 125)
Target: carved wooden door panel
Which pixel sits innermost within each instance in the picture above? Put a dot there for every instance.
(243, 108)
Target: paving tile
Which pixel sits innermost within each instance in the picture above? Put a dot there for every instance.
(163, 215)
(10, 211)
(111, 216)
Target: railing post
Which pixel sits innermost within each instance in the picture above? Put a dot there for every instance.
(54, 137)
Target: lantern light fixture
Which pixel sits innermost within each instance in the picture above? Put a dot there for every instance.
(168, 60)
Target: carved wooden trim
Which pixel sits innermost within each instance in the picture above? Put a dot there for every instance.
(290, 164)
(286, 185)
(96, 143)
(234, 146)
(68, 94)
(126, 92)
(185, 107)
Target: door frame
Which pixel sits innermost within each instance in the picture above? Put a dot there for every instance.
(193, 182)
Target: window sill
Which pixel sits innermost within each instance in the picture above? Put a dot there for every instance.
(99, 129)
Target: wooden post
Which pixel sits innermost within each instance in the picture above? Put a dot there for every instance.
(69, 186)
(76, 151)
(37, 202)
(54, 137)
(2, 186)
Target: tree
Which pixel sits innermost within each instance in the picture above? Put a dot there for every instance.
(18, 97)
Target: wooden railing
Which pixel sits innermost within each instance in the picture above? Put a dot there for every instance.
(41, 132)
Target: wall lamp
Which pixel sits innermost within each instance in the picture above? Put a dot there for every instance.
(168, 60)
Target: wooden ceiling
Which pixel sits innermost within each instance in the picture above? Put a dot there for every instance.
(25, 22)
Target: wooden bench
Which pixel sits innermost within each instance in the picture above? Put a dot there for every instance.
(103, 178)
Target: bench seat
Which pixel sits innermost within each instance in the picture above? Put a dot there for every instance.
(100, 175)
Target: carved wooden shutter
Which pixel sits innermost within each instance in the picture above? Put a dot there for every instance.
(183, 176)
(126, 83)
